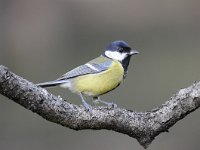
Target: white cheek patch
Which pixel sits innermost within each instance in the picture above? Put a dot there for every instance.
(116, 55)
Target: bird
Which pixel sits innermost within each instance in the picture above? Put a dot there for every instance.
(98, 76)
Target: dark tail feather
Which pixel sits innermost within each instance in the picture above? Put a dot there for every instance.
(49, 84)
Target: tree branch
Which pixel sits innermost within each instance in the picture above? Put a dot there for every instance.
(144, 126)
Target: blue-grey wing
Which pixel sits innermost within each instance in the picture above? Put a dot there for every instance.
(91, 67)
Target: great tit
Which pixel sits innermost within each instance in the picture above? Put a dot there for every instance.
(98, 76)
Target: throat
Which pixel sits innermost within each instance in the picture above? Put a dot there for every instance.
(125, 64)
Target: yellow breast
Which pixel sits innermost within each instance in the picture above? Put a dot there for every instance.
(101, 83)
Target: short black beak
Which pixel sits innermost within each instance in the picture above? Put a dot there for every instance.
(134, 52)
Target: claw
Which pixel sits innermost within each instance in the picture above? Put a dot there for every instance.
(110, 105)
(87, 107)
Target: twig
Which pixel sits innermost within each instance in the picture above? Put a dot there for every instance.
(144, 126)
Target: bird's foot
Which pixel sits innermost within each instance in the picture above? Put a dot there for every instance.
(110, 105)
(87, 107)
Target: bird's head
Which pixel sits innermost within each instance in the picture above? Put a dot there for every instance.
(119, 50)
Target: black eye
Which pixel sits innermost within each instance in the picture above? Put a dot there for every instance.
(121, 50)
(127, 49)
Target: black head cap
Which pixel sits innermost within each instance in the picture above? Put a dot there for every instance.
(113, 46)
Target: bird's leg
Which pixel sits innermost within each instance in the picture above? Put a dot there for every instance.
(110, 105)
(86, 105)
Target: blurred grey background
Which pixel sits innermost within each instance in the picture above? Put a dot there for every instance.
(42, 39)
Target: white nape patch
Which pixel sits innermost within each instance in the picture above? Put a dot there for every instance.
(92, 67)
(116, 55)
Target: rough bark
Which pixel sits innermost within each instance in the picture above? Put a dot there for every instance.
(143, 126)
